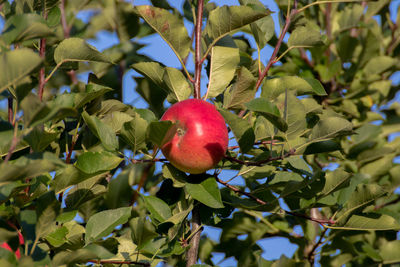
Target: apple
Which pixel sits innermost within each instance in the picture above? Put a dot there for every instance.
(17, 252)
(199, 139)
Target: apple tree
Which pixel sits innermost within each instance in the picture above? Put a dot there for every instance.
(312, 155)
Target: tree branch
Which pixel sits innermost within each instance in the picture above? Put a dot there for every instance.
(66, 31)
(14, 143)
(262, 202)
(198, 62)
(42, 52)
(10, 111)
(311, 254)
(276, 50)
(146, 264)
(195, 240)
(394, 201)
(261, 162)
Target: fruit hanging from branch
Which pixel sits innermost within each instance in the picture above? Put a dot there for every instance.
(199, 138)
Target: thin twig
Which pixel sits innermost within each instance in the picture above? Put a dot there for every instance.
(42, 80)
(146, 264)
(10, 110)
(262, 202)
(138, 161)
(67, 32)
(276, 50)
(261, 162)
(311, 255)
(394, 201)
(198, 61)
(14, 143)
(42, 52)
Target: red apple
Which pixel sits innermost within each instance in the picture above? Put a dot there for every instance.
(200, 137)
(17, 252)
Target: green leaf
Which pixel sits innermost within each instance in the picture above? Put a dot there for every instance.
(268, 110)
(76, 49)
(206, 192)
(92, 91)
(95, 162)
(16, 65)
(120, 191)
(224, 61)
(241, 128)
(134, 132)
(103, 223)
(242, 91)
(368, 221)
(170, 27)
(24, 27)
(389, 252)
(378, 65)
(68, 176)
(263, 29)
(334, 181)
(330, 127)
(294, 111)
(36, 112)
(157, 132)
(177, 84)
(227, 19)
(362, 196)
(47, 212)
(39, 138)
(178, 177)
(151, 70)
(305, 36)
(102, 131)
(57, 238)
(158, 209)
(26, 167)
(273, 87)
(142, 231)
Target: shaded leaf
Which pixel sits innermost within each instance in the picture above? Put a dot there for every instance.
(157, 132)
(23, 27)
(269, 110)
(102, 131)
(16, 65)
(241, 128)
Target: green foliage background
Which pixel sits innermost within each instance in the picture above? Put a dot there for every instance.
(329, 101)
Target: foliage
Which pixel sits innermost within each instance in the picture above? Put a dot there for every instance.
(313, 134)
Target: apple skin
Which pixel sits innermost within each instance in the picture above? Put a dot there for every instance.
(199, 139)
(17, 252)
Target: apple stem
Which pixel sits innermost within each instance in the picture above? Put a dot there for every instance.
(198, 61)
(195, 240)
